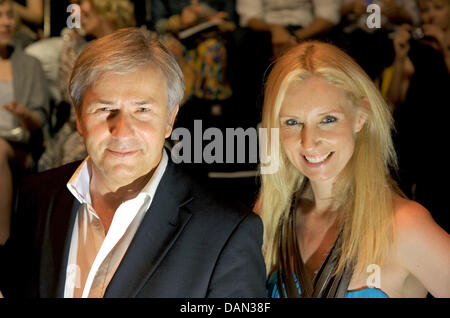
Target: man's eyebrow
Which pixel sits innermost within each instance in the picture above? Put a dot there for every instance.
(142, 102)
(108, 102)
(145, 101)
(102, 101)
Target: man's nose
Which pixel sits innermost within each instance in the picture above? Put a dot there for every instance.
(120, 124)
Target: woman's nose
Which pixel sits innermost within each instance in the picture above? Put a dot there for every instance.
(308, 137)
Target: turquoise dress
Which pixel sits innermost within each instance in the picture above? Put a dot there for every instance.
(272, 290)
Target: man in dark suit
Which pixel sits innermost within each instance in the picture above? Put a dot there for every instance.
(127, 222)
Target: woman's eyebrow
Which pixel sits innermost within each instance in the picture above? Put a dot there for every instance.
(334, 111)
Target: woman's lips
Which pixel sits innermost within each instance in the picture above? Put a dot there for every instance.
(317, 160)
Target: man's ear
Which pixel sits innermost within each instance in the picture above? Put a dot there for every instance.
(79, 128)
(362, 115)
(171, 121)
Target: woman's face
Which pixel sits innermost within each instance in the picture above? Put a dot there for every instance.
(435, 12)
(7, 23)
(318, 128)
(90, 20)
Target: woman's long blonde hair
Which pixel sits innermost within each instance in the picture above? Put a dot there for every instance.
(364, 188)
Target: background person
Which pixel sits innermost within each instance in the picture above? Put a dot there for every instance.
(289, 21)
(418, 92)
(372, 47)
(204, 58)
(24, 108)
(30, 17)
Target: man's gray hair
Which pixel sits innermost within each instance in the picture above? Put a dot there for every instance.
(122, 52)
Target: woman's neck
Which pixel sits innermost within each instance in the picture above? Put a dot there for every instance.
(321, 194)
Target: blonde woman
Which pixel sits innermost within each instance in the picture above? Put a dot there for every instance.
(335, 223)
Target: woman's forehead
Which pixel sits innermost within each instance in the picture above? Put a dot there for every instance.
(314, 94)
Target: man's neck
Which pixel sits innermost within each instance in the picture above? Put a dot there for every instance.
(102, 187)
(107, 197)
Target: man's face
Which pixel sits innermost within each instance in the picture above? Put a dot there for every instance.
(124, 121)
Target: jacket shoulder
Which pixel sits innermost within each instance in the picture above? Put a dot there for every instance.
(212, 208)
(49, 180)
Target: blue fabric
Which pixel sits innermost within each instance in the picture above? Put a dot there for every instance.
(272, 290)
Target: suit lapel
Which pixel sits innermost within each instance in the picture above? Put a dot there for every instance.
(160, 228)
(58, 232)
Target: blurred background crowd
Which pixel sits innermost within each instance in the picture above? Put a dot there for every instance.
(225, 64)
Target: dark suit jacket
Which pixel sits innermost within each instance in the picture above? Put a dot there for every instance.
(189, 244)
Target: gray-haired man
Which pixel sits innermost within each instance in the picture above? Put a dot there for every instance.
(127, 222)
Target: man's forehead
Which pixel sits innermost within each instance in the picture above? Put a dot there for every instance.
(148, 72)
(139, 87)
(113, 101)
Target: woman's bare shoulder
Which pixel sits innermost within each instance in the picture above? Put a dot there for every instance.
(409, 213)
(422, 246)
(412, 220)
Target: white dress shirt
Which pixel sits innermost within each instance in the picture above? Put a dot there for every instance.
(94, 256)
